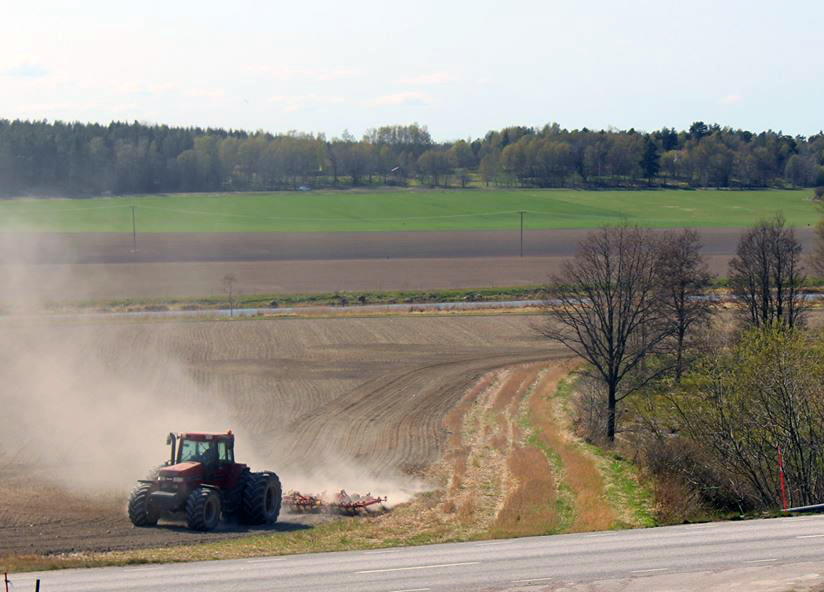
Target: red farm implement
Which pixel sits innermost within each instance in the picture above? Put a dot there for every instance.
(297, 503)
(353, 504)
(341, 503)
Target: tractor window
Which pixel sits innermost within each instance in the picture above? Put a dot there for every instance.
(194, 451)
(222, 452)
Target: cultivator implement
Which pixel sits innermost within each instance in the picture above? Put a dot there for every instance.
(342, 503)
(297, 503)
(353, 504)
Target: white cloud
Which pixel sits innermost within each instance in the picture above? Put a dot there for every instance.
(27, 71)
(60, 108)
(205, 93)
(433, 78)
(408, 97)
(304, 73)
(298, 102)
(730, 100)
(127, 108)
(145, 89)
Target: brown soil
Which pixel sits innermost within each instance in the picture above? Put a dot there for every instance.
(168, 248)
(348, 397)
(102, 266)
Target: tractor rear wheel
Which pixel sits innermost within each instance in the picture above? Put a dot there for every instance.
(139, 511)
(203, 509)
(261, 498)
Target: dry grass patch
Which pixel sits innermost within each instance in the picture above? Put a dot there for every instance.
(581, 474)
(530, 508)
(507, 396)
(486, 466)
(473, 469)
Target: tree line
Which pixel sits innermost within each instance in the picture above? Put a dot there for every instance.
(76, 159)
(706, 393)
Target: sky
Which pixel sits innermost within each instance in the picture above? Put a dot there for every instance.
(459, 67)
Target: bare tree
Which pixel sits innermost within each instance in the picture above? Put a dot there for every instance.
(228, 283)
(816, 258)
(605, 306)
(766, 275)
(684, 278)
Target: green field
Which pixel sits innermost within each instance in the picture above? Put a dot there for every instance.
(399, 210)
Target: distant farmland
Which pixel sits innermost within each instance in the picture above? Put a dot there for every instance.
(405, 210)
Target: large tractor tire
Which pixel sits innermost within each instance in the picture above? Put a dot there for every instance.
(261, 498)
(203, 509)
(139, 511)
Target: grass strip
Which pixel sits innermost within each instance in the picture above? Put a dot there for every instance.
(629, 496)
(626, 490)
(274, 301)
(616, 481)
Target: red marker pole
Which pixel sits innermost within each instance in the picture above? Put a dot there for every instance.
(781, 477)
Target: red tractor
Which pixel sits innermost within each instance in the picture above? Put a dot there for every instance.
(202, 481)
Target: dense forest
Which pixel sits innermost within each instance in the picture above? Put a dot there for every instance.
(41, 158)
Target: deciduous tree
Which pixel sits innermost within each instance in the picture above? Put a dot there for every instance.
(605, 306)
(741, 405)
(684, 280)
(766, 275)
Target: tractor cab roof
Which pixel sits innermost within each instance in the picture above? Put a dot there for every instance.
(206, 436)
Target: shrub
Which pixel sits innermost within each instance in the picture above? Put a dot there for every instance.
(741, 406)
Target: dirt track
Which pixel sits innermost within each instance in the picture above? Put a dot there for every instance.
(354, 399)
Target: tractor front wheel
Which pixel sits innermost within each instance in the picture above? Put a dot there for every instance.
(261, 498)
(139, 511)
(203, 509)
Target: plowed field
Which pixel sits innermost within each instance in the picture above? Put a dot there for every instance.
(105, 266)
(327, 403)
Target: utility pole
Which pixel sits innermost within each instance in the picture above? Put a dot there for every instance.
(781, 478)
(134, 232)
(522, 232)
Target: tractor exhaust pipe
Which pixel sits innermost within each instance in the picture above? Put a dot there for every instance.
(172, 440)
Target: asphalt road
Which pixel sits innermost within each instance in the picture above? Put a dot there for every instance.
(678, 557)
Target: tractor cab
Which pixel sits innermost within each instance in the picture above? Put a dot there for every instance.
(212, 450)
(210, 456)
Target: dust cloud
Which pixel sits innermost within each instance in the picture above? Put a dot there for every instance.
(87, 403)
(336, 473)
(82, 403)
(87, 410)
